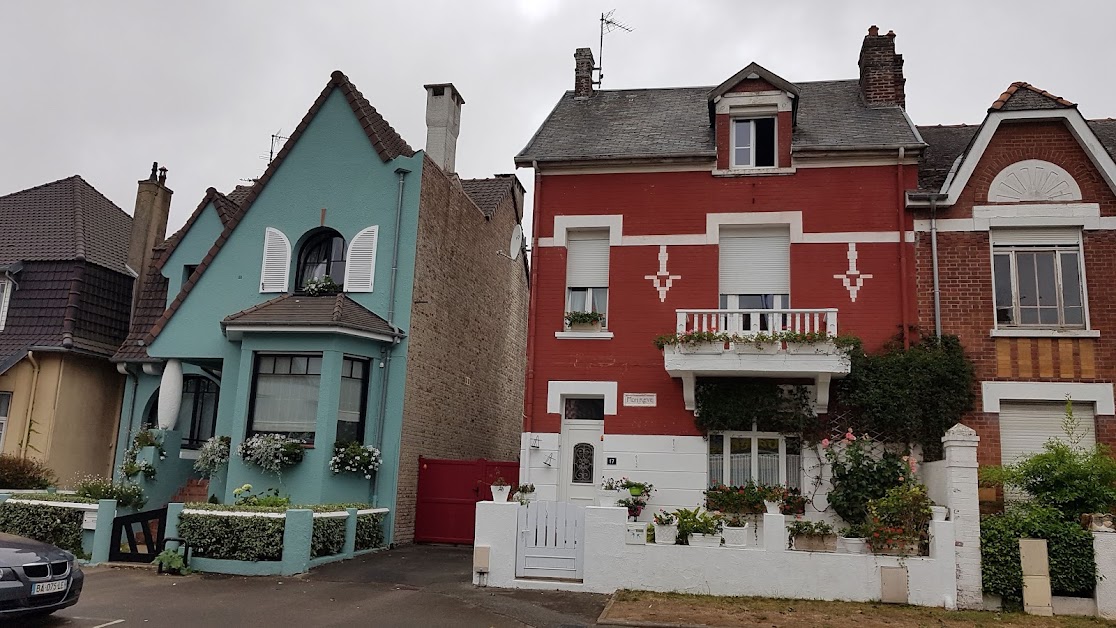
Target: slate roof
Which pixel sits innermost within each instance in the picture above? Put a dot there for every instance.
(487, 194)
(1020, 95)
(298, 310)
(64, 220)
(674, 122)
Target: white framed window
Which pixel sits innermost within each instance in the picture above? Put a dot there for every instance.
(1038, 279)
(5, 408)
(737, 458)
(5, 297)
(587, 254)
(753, 143)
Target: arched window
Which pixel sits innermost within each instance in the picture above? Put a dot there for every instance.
(197, 414)
(322, 255)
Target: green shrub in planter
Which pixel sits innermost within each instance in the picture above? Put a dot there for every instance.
(1073, 569)
(50, 524)
(328, 537)
(24, 473)
(370, 531)
(126, 494)
(233, 538)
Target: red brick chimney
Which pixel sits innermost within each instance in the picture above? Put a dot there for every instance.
(583, 73)
(881, 70)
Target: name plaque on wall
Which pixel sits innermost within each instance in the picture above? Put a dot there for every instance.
(641, 400)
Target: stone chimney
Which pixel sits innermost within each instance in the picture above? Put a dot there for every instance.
(443, 122)
(881, 70)
(583, 73)
(149, 224)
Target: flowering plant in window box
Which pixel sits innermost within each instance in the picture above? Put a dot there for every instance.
(736, 529)
(807, 342)
(584, 321)
(699, 342)
(352, 457)
(759, 343)
(213, 455)
(745, 499)
(811, 536)
(699, 528)
(321, 287)
(271, 452)
(666, 528)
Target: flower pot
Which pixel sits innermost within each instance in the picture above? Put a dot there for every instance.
(635, 491)
(607, 498)
(752, 348)
(703, 348)
(736, 537)
(500, 493)
(772, 507)
(705, 540)
(855, 546)
(899, 548)
(815, 543)
(587, 327)
(666, 534)
(798, 348)
(938, 513)
(526, 497)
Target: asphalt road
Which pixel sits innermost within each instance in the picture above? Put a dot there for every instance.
(410, 586)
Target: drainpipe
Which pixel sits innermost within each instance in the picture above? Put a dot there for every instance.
(30, 404)
(900, 213)
(934, 264)
(402, 172)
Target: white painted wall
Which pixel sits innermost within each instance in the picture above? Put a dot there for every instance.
(1104, 545)
(933, 476)
(769, 570)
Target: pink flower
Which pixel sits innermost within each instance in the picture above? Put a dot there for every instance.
(850, 436)
(825, 442)
(901, 479)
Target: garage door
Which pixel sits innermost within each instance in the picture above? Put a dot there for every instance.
(1026, 427)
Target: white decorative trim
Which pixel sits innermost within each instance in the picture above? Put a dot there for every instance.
(852, 279)
(662, 280)
(583, 335)
(992, 393)
(556, 390)
(231, 513)
(753, 104)
(1037, 210)
(714, 221)
(234, 331)
(744, 171)
(1088, 223)
(1033, 180)
(1044, 333)
(188, 454)
(613, 222)
(42, 502)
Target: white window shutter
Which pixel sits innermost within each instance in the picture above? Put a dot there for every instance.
(587, 259)
(275, 272)
(1025, 427)
(360, 261)
(754, 261)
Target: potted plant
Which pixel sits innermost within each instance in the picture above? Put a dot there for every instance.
(213, 455)
(811, 536)
(746, 499)
(736, 529)
(608, 493)
(637, 489)
(772, 498)
(500, 489)
(666, 528)
(584, 321)
(321, 287)
(853, 539)
(759, 343)
(525, 493)
(807, 342)
(705, 529)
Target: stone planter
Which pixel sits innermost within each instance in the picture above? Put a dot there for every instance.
(705, 540)
(703, 348)
(855, 546)
(938, 513)
(607, 498)
(586, 327)
(1098, 522)
(666, 534)
(814, 543)
(773, 508)
(500, 493)
(751, 348)
(823, 347)
(736, 536)
(903, 548)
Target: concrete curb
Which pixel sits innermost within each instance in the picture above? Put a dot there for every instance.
(603, 620)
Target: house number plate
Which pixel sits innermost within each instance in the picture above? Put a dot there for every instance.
(641, 400)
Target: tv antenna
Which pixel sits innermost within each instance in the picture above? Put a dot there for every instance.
(277, 140)
(607, 26)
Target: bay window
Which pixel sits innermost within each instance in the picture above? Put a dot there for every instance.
(353, 404)
(737, 458)
(285, 395)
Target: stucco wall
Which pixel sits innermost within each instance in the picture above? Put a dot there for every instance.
(466, 356)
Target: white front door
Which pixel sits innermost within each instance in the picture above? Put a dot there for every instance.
(582, 460)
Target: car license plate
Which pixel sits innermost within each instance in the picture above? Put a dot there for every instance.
(48, 587)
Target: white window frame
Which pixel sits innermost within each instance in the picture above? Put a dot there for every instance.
(5, 298)
(752, 152)
(4, 418)
(589, 294)
(755, 436)
(1011, 250)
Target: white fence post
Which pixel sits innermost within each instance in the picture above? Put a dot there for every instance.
(960, 445)
(1104, 547)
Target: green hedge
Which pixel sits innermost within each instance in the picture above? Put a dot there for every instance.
(233, 538)
(238, 508)
(56, 525)
(1073, 569)
(328, 537)
(55, 497)
(370, 531)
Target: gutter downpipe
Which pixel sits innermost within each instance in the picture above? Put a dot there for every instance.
(902, 248)
(934, 263)
(30, 404)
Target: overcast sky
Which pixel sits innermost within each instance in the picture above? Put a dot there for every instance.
(102, 89)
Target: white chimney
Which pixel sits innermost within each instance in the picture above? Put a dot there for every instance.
(443, 122)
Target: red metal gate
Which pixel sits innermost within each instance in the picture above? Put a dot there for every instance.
(448, 492)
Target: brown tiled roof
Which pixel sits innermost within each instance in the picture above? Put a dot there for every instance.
(300, 310)
(487, 194)
(239, 193)
(64, 220)
(1020, 95)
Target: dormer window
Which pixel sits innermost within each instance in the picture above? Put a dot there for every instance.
(753, 143)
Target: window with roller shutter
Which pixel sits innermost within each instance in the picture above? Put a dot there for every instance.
(1026, 427)
(360, 269)
(754, 270)
(275, 271)
(587, 254)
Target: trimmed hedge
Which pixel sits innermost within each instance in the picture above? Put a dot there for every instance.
(233, 538)
(328, 537)
(56, 525)
(1073, 568)
(370, 531)
(55, 497)
(239, 508)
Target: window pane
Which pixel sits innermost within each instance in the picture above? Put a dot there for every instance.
(765, 142)
(768, 453)
(1071, 280)
(1001, 276)
(577, 300)
(743, 133)
(358, 368)
(298, 365)
(724, 305)
(600, 300)
(740, 461)
(314, 366)
(1075, 315)
(282, 365)
(794, 463)
(716, 459)
(5, 402)
(1028, 291)
(585, 409)
(1047, 283)
(1029, 315)
(206, 417)
(286, 403)
(1048, 316)
(267, 364)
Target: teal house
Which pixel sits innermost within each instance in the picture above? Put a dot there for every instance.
(358, 292)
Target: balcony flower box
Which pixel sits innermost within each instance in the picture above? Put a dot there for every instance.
(756, 345)
(808, 343)
(703, 348)
(584, 321)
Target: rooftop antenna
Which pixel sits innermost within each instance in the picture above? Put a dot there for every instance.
(607, 26)
(277, 140)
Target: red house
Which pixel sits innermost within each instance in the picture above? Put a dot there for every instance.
(753, 206)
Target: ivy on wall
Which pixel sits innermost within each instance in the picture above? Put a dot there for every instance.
(738, 404)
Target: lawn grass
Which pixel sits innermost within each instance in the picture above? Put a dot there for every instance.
(708, 610)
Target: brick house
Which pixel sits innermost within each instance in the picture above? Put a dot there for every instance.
(65, 295)
(420, 352)
(756, 205)
(1024, 211)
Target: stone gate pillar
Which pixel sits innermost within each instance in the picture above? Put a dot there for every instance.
(960, 445)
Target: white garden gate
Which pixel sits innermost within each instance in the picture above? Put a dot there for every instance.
(551, 540)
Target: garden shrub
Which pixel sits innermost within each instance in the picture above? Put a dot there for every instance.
(24, 473)
(56, 525)
(126, 494)
(370, 531)
(1073, 569)
(859, 477)
(328, 537)
(746, 404)
(233, 538)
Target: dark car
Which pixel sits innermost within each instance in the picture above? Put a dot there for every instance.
(36, 578)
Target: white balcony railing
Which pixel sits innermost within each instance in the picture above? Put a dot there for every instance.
(750, 322)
